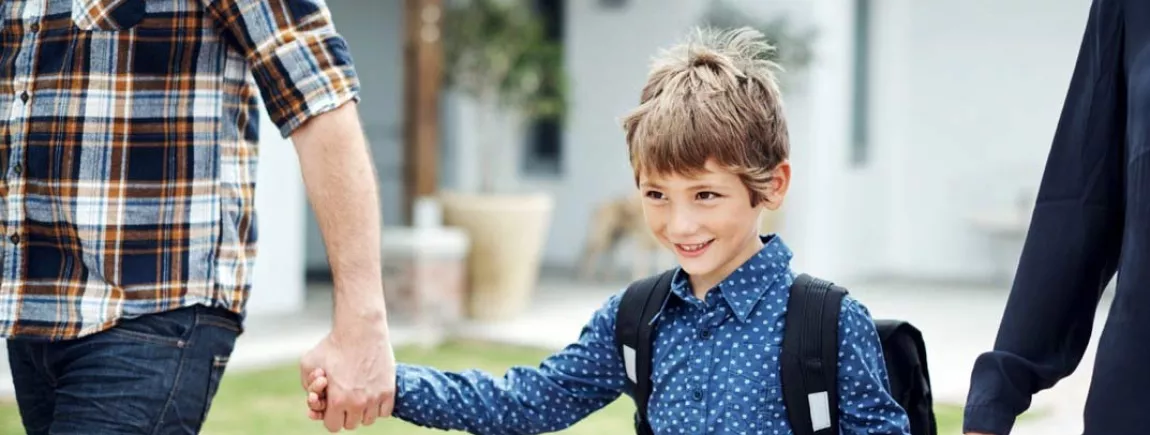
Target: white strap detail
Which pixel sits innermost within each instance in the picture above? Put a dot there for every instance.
(820, 410)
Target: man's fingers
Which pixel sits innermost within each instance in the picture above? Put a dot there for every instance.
(387, 406)
(353, 416)
(333, 419)
(371, 412)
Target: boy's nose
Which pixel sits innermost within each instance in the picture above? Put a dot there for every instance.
(682, 223)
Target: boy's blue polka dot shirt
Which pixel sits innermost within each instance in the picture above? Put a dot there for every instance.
(716, 369)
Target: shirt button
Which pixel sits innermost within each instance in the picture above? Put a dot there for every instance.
(35, 27)
(697, 395)
(705, 334)
(24, 96)
(18, 169)
(15, 238)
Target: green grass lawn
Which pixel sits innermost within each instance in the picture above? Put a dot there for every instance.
(272, 402)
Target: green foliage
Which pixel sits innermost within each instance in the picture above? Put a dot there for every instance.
(498, 52)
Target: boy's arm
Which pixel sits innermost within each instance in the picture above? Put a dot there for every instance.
(865, 403)
(566, 387)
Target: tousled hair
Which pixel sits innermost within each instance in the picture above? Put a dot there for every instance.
(714, 96)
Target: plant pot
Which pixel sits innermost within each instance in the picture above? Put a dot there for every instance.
(507, 235)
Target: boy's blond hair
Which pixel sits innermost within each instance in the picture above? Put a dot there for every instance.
(714, 96)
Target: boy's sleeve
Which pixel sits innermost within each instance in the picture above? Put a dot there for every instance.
(302, 66)
(567, 386)
(865, 403)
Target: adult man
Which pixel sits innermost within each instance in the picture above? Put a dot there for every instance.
(127, 171)
(1090, 220)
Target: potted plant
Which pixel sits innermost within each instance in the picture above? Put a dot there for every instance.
(498, 56)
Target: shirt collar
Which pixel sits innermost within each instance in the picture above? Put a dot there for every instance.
(744, 287)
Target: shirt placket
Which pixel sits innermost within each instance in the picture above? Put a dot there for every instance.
(702, 391)
(19, 112)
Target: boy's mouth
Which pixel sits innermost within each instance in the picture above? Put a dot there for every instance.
(692, 250)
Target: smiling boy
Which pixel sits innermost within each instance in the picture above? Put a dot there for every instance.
(709, 146)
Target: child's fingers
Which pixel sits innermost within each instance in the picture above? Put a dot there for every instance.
(318, 385)
(315, 402)
(315, 374)
(315, 415)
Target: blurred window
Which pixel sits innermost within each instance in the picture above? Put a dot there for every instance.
(544, 141)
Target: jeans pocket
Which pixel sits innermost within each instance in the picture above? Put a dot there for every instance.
(219, 318)
(215, 375)
(171, 329)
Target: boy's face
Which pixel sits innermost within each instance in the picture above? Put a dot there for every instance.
(707, 220)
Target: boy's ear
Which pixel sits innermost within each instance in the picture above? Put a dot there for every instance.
(777, 186)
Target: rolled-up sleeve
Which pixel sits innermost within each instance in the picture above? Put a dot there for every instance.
(302, 65)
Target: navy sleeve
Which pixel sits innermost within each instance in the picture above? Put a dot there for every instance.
(1072, 247)
(567, 386)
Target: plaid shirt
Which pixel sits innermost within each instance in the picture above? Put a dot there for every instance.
(128, 161)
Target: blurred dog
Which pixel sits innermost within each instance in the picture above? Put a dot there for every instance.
(613, 222)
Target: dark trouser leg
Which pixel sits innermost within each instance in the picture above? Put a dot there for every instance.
(152, 375)
(34, 392)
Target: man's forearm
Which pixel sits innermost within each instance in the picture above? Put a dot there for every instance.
(341, 187)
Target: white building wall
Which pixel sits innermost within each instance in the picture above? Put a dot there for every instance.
(966, 95)
(823, 210)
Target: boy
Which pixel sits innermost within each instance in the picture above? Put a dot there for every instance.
(708, 145)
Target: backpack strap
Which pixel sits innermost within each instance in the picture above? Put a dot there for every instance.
(810, 356)
(633, 331)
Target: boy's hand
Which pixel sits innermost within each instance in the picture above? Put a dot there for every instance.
(316, 394)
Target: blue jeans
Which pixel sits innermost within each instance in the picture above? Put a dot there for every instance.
(152, 375)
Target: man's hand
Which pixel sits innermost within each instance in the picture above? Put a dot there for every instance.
(341, 185)
(351, 376)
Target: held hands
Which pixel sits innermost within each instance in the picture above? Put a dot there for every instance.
(316, 395)
(351, 373)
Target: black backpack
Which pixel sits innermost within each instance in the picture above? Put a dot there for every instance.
(809, 362)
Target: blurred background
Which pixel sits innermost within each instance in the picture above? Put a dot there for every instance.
(919, 132)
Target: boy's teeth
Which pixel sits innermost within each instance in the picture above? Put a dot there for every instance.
(693, 247)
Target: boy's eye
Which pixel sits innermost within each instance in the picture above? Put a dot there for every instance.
(707, 195)
(654, 195)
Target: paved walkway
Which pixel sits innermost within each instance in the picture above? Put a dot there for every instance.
(958, 323)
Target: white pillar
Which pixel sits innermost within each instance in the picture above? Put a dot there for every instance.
(817, 210)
